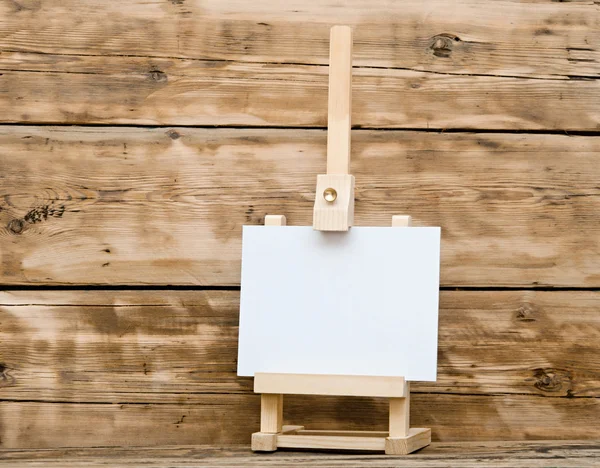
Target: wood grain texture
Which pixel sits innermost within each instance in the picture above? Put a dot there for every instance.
(263, 442)
(336, 214)
(271, 413)
(175, 346)
(141, 347)
(131, 206)
(231, 419)
(215, 420)
(399, 415)
(528, 454)
(333, 442)
(86, 368)
(339, 109)
(416, 439)
(437, 455)
(538, 38)
(328, 384)
(166, 206)
(85, 89)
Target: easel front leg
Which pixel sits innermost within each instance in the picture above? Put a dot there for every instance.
(402, 439)
(271, 413)
(271, 423)
(271, 404)
(400, 415)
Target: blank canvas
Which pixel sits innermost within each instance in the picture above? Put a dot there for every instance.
(362, 302)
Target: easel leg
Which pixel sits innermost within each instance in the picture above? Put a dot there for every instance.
(402, 439)
(271, 423)
(400, 415)
(271, 404)
(271, 413)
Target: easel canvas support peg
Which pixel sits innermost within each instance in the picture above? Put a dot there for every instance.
(334, 211)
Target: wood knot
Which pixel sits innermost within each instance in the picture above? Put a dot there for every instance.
(442, 44)
(6, 380)
(525, 313)
(252, 217)
(549, 380)
(16, 226)
(173, 135)
(157, 75)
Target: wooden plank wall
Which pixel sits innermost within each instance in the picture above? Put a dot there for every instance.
(136, 138)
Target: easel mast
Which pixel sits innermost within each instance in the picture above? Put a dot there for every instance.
(334, 201)
(334, 211)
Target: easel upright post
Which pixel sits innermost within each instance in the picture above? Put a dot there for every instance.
(339, 117)
(334, 200)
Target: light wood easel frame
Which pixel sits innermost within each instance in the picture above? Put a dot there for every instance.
(334, 211)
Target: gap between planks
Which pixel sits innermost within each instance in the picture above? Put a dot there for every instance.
(556, 77)
(184, 287)
(474, 131)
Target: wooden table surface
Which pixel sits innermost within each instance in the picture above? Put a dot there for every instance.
(437, 455)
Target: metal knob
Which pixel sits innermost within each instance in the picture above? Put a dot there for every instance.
(330, 195)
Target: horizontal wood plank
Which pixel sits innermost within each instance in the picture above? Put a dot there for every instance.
(531, 454)
(38, 88)
(504, 37)
(166, 206)
(230, 419)
(176, 347)
(89, 368)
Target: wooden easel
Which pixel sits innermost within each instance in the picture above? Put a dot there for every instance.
(334, 211)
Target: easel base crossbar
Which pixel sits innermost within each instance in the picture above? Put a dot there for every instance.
(300, 438)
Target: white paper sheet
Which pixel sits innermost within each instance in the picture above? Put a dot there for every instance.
(363, 302)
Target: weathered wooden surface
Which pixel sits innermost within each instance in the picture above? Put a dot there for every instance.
(89, 368)
(230, 419)
(38, 88)
(437, 455)
(132, 206)
(166, 206)
(535, 38)
(500, 65)
(171, 346)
